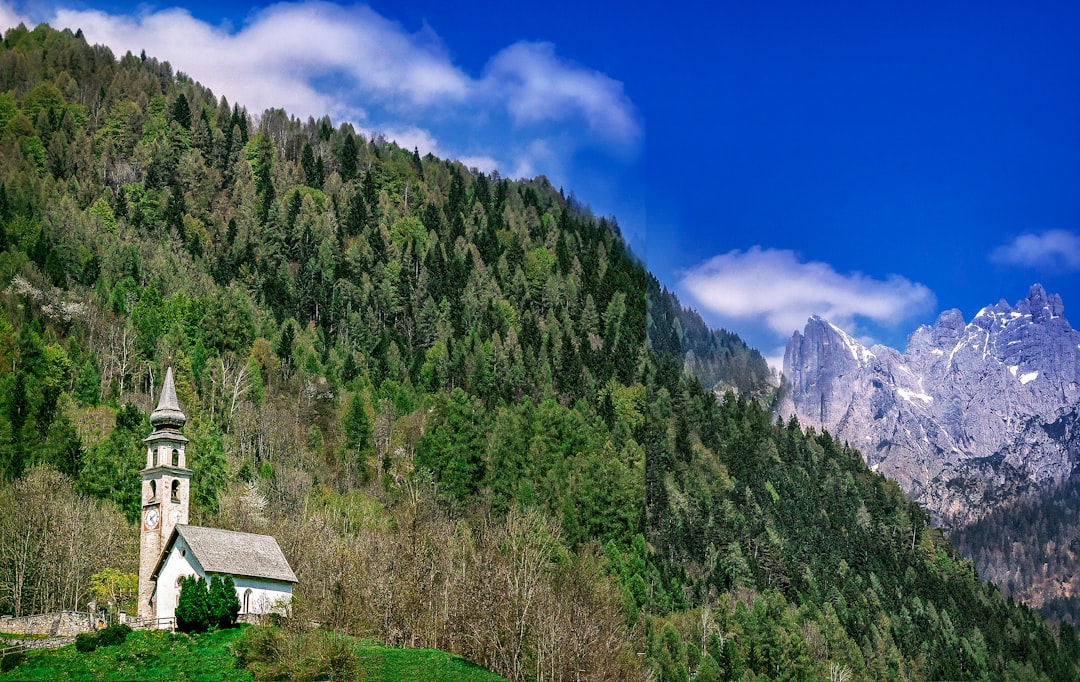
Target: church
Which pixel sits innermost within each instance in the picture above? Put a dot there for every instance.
(170, 549)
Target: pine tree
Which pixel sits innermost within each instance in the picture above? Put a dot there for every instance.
(223, 604)
(193, 610)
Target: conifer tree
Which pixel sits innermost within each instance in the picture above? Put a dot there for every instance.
(193, 610)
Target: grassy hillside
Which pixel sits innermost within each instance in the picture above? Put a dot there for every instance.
(212, 657)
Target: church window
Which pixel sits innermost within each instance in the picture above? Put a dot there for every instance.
(154, 451)
(175, 457)
(176, 491)
(247, 600)
(153, 490)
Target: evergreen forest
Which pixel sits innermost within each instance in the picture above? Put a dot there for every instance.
(469, 415)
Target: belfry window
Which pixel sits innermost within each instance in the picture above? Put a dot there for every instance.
(153, 490)
(176, 491)
(175, 457)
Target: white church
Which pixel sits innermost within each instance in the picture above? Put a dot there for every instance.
(170, 549)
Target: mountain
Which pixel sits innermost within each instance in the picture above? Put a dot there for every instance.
(970, 416)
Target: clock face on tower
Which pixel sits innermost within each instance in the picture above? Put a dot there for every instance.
(151, 518)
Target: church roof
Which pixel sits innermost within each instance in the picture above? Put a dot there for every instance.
(168, 412)
(230, 552)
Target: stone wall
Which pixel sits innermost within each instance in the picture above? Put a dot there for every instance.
(62, 624)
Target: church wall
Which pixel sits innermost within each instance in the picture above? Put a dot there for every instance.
(180, 562)
(266, 595)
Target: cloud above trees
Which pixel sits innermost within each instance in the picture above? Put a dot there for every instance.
(353, 64)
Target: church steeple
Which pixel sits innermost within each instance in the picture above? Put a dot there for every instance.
(166, 487)
(167, 414)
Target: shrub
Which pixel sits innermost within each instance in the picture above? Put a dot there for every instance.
(193, 610)
(114, 634)
(205, 606)
(89, 641)
(273, 654)
(12, 660)
(86, 641)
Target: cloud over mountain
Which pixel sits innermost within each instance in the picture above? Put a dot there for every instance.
(775, 286)
(1051, 248)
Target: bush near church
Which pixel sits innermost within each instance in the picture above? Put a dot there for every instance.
(202, 607)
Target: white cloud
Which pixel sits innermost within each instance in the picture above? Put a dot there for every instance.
(277, 58)
(775, 287)
(10, 18)
(484, 164)
(315, 58)
(1057, 248)
(539, 86)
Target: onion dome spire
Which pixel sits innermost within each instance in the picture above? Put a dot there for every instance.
(167, 414)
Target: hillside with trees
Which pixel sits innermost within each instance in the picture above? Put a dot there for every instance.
(434, 387)
(1031, 549)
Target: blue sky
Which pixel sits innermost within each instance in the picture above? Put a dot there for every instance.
(874, 163)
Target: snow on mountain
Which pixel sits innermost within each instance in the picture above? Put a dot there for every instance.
(971, 414)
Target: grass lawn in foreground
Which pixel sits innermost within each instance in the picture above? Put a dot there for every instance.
(153, 656)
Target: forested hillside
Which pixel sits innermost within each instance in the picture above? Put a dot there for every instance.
(779, 553)
(1032, 550)
(425, 381)
(717, 358)
(434, 387)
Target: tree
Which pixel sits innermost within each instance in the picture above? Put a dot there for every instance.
(224, 605)
(348, 159)
(193, 610)
(110, 586)
(181, 112)
(358, 442)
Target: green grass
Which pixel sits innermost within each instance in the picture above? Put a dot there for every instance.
(154, 655)
(383, 664)
(15, 635)
(146, 655)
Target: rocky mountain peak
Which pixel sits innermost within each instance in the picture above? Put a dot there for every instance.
(963, 418)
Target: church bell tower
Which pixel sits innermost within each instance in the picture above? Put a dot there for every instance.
(166, 488)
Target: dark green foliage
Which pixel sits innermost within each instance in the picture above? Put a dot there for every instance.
(113, 634)
(224, 604)
(181, 112)
(193, 612)
(453, 449)
(111, 468)
(12, 660)
(108, 636)
(716, 358)
(203, 606)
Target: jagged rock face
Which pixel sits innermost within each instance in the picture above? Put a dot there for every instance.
(970, 415)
